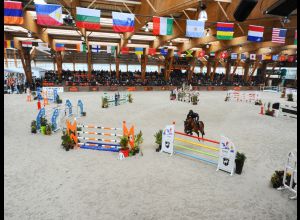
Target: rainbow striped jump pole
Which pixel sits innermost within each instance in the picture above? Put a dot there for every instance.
(93, 139)
(219, 153)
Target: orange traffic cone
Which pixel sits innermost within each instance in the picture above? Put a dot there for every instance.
(261, 110)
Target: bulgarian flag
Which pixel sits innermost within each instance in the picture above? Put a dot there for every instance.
(162, 26)
(88, 18)
(81, 47)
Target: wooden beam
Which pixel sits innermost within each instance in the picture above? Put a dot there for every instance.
(143, 66)
(26, 62)
(117, 60)
(234, 70)
(214, 70)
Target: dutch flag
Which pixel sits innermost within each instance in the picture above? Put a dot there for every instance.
(255, 33)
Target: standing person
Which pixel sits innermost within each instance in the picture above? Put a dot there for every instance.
(28, 94)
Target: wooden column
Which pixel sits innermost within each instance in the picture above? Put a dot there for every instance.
(208, 67)
(73, 60)
(192, 68)
(214, 70)
(227, 69)
(59, 64)
(89, 63)
(249, 78)
(117, 68)
(246, 71)
(143, 66)
(263, 71)
(5, 58)
(15, 58)
(26, 63)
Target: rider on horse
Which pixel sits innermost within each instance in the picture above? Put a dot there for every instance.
(193, 115)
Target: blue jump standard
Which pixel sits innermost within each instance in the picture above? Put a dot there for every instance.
(195, 157)
(114, 147)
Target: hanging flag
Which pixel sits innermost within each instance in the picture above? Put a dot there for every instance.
(49, 15)
(139, 50)
(124, 50)
(164, 51)
(110, 49)
(195, 28)
(26, 44)
(212, 54)
(275, 57)
(224, 54)
(189, 53)
(43, 46)
(266, 57)
(225, 31)
(282, 58)
(278, 35)
(123, 22)
(162, 26)
(9, 44)
(234, 56)
(291, 58)
(95, 48)
(13, 12)
(259, 57)
(88, 18)
(255, 33)
(81, 47)
(201, 54)
(152, 51)
(59, 47)
(295, 41)
(243, 56)
(252, 56)
(177, 53)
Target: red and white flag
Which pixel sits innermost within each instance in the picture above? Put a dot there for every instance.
(278, 35)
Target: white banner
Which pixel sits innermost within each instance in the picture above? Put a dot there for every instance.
(51, 89)
(227, 156)
(168, 139)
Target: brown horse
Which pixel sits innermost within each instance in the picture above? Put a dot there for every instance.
(191, 126)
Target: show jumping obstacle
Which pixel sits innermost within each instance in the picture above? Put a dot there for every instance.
(50, 95)
(185, 95)
(233, 95)
(222, 156)
(288, 111)
(114, 100)
(270, 89)
(96, 141)
(290, 168)
(58, 115)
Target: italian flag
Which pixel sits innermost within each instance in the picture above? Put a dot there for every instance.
(88, 18)
(81, 47)
(162, 26)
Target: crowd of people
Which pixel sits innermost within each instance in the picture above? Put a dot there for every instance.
(177, 78)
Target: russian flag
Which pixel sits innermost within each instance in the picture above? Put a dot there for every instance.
(255, 33)
(123, 22)
(49, 15)
(13, 13)
(59, 47)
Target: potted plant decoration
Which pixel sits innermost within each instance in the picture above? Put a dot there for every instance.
(239, 162)
(124, 146)
(158, 139)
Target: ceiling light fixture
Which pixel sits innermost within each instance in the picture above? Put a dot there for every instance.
(240, 47)
(207, 45)
(202, 15)
(129, 41)
(29, 34)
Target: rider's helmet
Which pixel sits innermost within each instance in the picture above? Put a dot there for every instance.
(191, 112)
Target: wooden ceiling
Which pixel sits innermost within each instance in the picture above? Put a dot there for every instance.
(221, 10)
